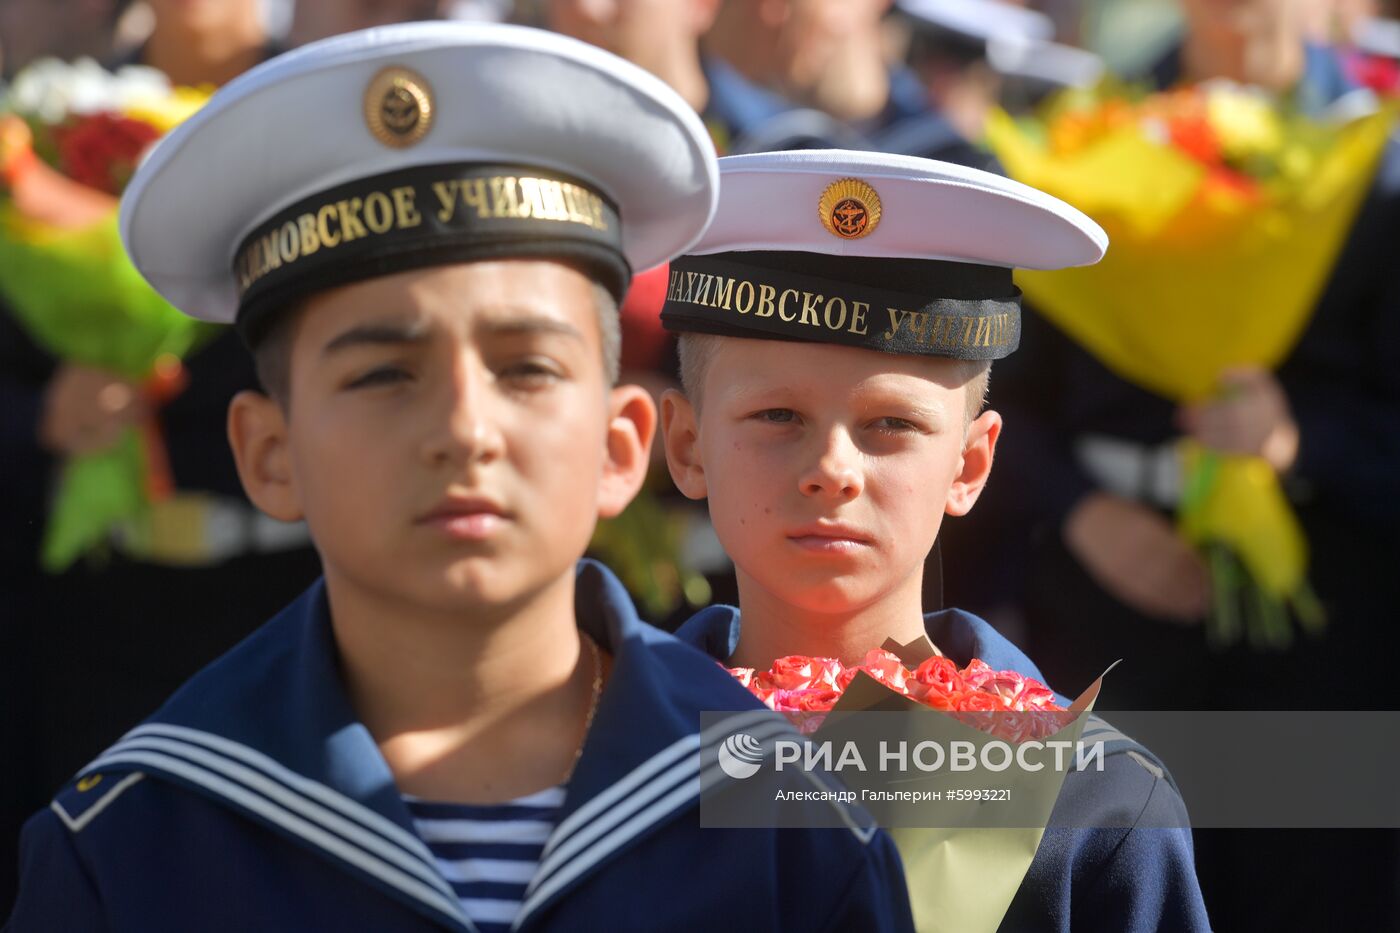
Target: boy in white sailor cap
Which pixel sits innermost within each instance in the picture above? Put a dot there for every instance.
(422, 233)
(837, 326)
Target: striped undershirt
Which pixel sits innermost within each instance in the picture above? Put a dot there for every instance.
(488, 853)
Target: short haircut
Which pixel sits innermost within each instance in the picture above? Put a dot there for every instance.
(272, 348)
(696, 351)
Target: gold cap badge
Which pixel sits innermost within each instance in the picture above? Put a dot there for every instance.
(398, 107)
(849, 209)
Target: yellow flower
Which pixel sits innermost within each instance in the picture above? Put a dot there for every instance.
(1246, 123)
(165, 113)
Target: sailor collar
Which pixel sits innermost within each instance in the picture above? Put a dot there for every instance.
(268, 731)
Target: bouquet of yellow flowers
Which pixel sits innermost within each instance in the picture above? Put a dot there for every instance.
(70, 139)
(1226, 211)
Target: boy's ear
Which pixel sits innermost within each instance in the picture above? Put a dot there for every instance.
(681, 435)
(631, 427)
(257, 432)
(978, 448)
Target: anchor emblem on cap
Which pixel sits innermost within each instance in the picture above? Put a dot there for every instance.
(398, 107)
(849, 209)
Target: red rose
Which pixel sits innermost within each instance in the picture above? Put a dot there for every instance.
(798, 673)
(1008, 685)
(818, 700)
(886, 668)
(101, 150)
(935, 700)
(744, 675)
(940, 674)
(807, 686)
(975, 701)
(1038, 696)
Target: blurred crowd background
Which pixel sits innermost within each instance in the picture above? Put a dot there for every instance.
(1073, 551)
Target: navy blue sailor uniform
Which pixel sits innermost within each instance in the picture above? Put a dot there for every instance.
(746, 118)
(255, 800)
(1136, 873)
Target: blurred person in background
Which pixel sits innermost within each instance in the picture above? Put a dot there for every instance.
(202, 42)
(1105, 575)
(789, 74)
(1270, 44)
(105, 641)
(662, 36)
(29, 30)
(972, 56)
(66, 29)
(317, 19)
(821, 54)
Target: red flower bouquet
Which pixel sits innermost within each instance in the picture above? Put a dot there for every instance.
(973, 704)
(70, 139)
(800, 685)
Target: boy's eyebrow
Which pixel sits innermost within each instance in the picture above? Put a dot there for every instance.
(381, 333)
(919, 410)
(526, 325)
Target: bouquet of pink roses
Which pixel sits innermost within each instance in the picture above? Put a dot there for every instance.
(973, 703)
(800, 685)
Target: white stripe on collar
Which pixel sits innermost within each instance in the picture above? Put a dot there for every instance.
(293, 812)
(619, 791)
(280, 816)
(306, 787)
(312, 790)
(76, 824)
(687, 791)
(579, 844)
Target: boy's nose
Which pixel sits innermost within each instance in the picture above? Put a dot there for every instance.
(836, 473)
(466, 430)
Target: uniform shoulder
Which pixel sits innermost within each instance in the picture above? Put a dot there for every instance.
(85, 798)
(1119, 783)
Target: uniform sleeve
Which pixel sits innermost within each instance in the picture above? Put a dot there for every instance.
(1149, 882)
(25, 371)
(55, 890)
(876, 898)
(1040, 479)
(1349, 427)
(1343, 378)
(1035, 483)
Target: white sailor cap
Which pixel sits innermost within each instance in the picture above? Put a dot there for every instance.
(1377, 36)
(1047, 65)
(879, 251)
(979, 20)
(414, 145)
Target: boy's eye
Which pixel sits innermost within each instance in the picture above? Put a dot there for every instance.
(383, 375)
(777, 415)
(896, 425)
(530, 371)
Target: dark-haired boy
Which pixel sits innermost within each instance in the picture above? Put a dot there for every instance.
(460, 728)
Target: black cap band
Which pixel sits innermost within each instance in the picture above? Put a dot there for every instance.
(872, 303)
(425, 216)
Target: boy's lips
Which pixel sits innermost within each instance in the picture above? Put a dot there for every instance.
(466, 518)
(830, 538)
